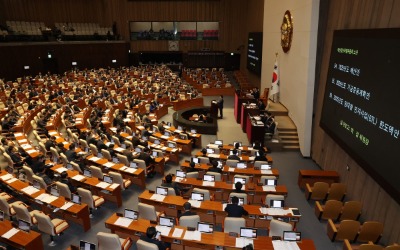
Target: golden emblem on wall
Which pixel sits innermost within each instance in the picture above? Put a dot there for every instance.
(287, 31)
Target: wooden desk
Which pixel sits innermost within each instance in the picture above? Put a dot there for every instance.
(196, 137)
(246, 111)
(208, 241)
(254, 132)
(312, 176)
(186, 145)
(161, 111)
(230, 91)
(196, 102)
(224, 157)
(21, 240)
(24, 122)
(239, 100)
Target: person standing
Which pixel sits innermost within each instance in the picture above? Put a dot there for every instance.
(221, 106)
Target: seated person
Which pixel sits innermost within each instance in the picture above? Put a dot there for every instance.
(168, 183)
(150, 237)
(214, 167)
(234, 156)
(70, 153)
(192, 168)
(234, 210)
(187, 207)
(64, 179)
(238, 188)
(261, 156)
(45, 174)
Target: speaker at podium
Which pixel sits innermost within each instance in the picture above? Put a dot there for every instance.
(214, 109)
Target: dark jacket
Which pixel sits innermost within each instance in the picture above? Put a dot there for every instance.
(235, 210)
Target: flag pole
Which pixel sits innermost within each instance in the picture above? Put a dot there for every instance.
(275, 96)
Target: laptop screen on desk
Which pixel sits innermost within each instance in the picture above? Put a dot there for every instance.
(133, 165)
(291, 236)
(241, 165)
(24, 225)
(208, 177)
(265, 167)
(167, 221)
(271, 182)
(239, 179)
(131, 214)
(218, 142)
(195, 160)
(87, 173)
(197, 196)
(107, 179)
(171, 145)
(248, 232)
(205, 227)
(138, 150)
(210, 151)
(76, 199)
(157, 142)
(277, 203)
(155, 153)
(193, 131)
(54, 191)
(36, 184)
(84, 245)
(180, 173)
(162, 190)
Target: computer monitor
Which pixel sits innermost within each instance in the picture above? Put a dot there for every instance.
(10, 170)
(131, 214)
(193, 131)
(182, 137)
(220, 165)
(36, 184)
(24, 225)
(69, 166)
(99, 155)
(108, 179)
(180, 128)
(115, 159)
(219, 142)
(76, 198)
(210, 151)
(123, 146)
(167, 221)
(87, 173)
(171, 145)
(162, 190)
(241, 201)
(155, 154)
(208, 177)
(205, 227)
(239, 179)
(84, 245)
(291, 236)
(156, 141)
(133, 165)
(180, 173)
(133, 134)
(54, 191)
(277, 203)
(167, 133)
(197, 196)
(1, 215)
(248, 232)
(195, 160)
(241, 165)
(169, 124)
(138, 150)
(144, 138)
(271, 182)
(235, 142)
(265, 167)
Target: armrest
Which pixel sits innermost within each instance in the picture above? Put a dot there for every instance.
(331, 230)
(318, 210)
(56, 225)
(308, 191)
(126, 244)
(347, 245)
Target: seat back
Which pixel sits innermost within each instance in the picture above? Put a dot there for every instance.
(64, 159)
(259, 163)
(108, 241)
(128, 144)
(144, 245)
(8, 160)
(42, 147)
(217, 176)
(64, 190)
(28, 173)
(370, 231)
(22, 212)
(86, 196)
(93, 149)
(117, 178)
(83, 143)
(239, 195)
(171, 191)
(204, 160)
(276, 228)
(231, 163)
(337, 191)
(141, 164)
(106, 154)
(116, 140)
(267, 177)
(147, 212)
(44, 223)
(270, 197)
(348, 229)
(232, 224)
(192, 175)
(319, 191)
(96, 172)
(332, 209)
(203, 191)
(242, 176)
(124, 160)
(351, 210)
(393, 247)
(54, 152)
(75, 166)
(189, 221)
(4, 206)
(43, 184)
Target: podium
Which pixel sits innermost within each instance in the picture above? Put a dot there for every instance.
(214, 109)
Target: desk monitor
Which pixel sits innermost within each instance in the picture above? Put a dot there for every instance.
(69, 166)
(108, 179)
(205, 227)
(54, 191)
(197, 196)
(162, 190)
(220, 165)
(180, 128)
(239, 179)
(1, 215)
(87, 172)
(133, 165)
(131, 214)
(155, 154)
(193, 131)
(180, 173)
(241, 165)
(76, 199)
(123, 146)
(241, 201)
(239, 142)
(157, 142)
(144, 138)
(84, 245)
(277, 203)
(209, 177)
(167, 221)
(291, 236)
(230, 152)
(169, 124)
(182, 137)
(265, 167)
(210, 151)
(36, 184)
(24, 225)
(271, 182)
(167, 133)
(138, 150)
(133, 134)
(99, 155)
(55, 159)
(10, 170)
(171, 145)
(248, 232)
(115, 159)
(219, 142)
(195, 160)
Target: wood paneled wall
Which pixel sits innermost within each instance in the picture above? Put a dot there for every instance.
(377, 204)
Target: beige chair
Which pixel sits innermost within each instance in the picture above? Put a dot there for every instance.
(8, 160)
(93, 201)
(204, 160)
(124, 160)
(42, 148)
(257, 164)
(116, 140)
(106, 154)
(232, 224)
(189, 221)
(205, 192)
(231, 163)
(8, 208)
(64, 190)
(22, 213)
(147, 212)
(142, 164)
(64, 159)
(28, 173)
(93, 149)
(270, 197)
(83, 144)
(54, 154)
(128, 144)
(217, 176)
(108, 241)
(351, 210)
(117, 178)
(347, 229)
(370, 231)
(369, 246)
(317, 192)
(242, 176)
(144, 245)
(96, 172)
(49, 226)
(75, 166)
(393, 247)
(239, 195)
(40, 180)
(266, 177)
(128, 130)
(277, 227)
(331, 210)
(192, 175)
(337, 191)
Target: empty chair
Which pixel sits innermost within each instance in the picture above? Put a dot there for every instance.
(331, 210)
(217, 176)
(337, 191)
(39, 179)
(142, 164)
(97, 172)
(93, 149)
(28, 173)
(22, 213)
(49, 226)
(116, 140)
(147, 212)
(351, 210)
(231, 163)
(277, 227)
(232, 224)
(8, 208)
(347, 229)
(106, 154)
(369, 246)
(117, 178)
(239, 195)
(204, 160)
(192, 175)
(75, 166)
(64, 190)
(189, 221)
(108, 241)
(317, 192)
(205, 192)
(270, 197)
(93, 201)
(123, 159)
(370, 231)
(144, 245)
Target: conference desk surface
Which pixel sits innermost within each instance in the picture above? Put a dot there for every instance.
(21, 240)
(312, 176)
(208, 240)
(224, 157)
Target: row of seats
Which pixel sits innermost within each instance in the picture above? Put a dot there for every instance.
(188, 34)
(210, 33)
(321, 191)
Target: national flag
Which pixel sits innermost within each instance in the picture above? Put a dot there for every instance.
(275, 80)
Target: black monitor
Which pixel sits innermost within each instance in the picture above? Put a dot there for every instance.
(248, 232)
(167, 221)
(209, 177)
(162, 190)
(291, 236)
(277, 203)
(84, 245)
(108, 179)
(197, 196)
(180, 173)
(131, 214)
(54, 191)
(205, 227)
(75, 198)
(271, 182)
(24, 225)
(195, 160)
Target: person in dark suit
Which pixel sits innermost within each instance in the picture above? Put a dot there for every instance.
(150, 237)
(100, 145)
(145, 155)
(50, 143)
(220, 106)
(64, 179)
(234, 210)
(168, 183)
(260, 156)
(238, 188)
(187, 206)
(70, 153)
(214, 167)
(192, 168)
(37, 164)
(234, 156)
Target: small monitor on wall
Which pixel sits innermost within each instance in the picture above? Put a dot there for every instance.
(26, 67)
(74, 63)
